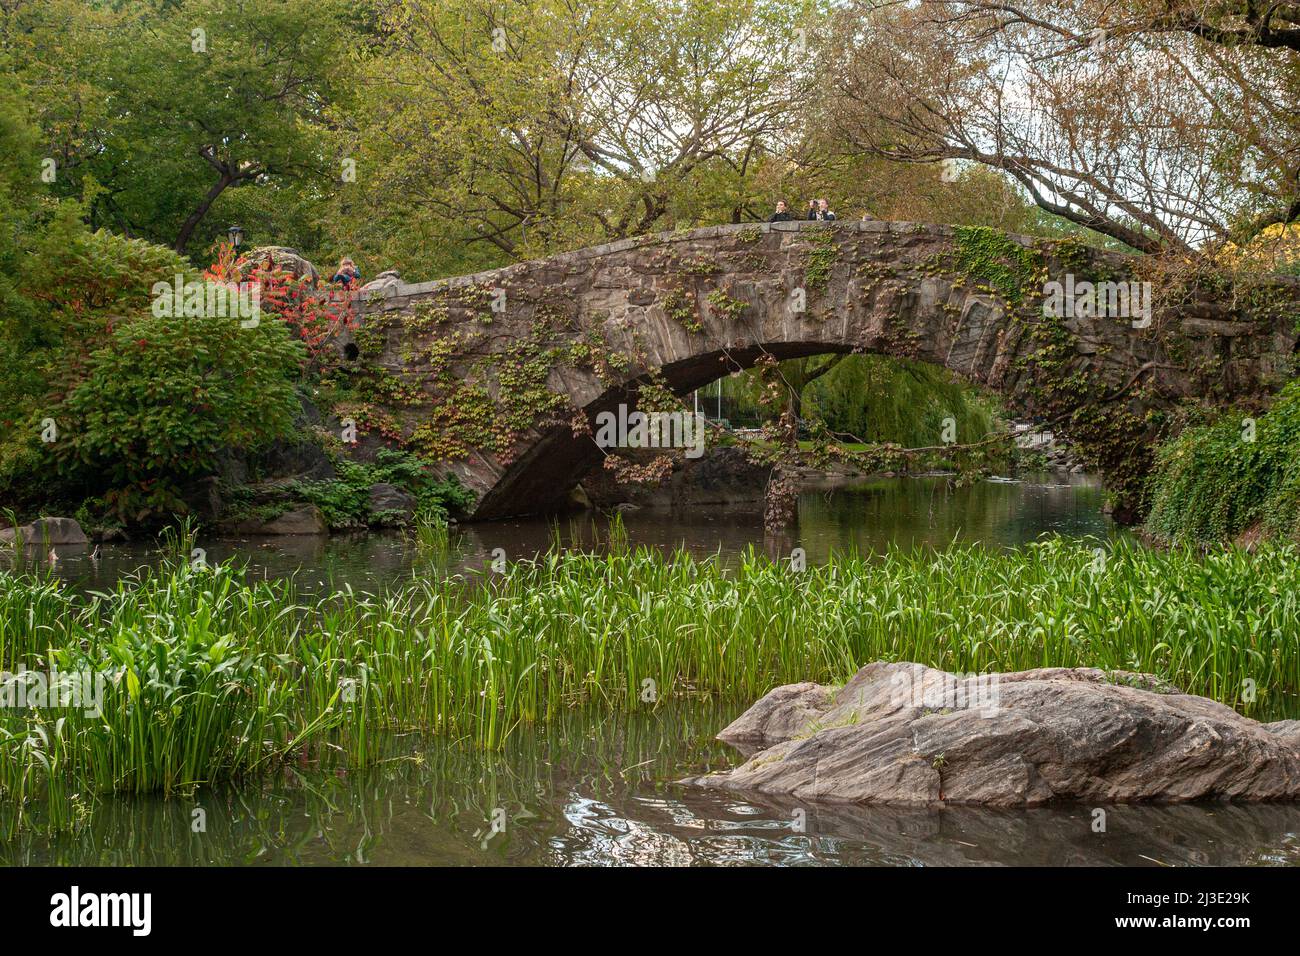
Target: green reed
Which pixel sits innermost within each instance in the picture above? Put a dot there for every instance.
(216, 676)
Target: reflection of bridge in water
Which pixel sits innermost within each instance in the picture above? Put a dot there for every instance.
(495, 373)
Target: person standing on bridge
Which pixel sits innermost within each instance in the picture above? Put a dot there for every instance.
(820, 209)
(781, 214)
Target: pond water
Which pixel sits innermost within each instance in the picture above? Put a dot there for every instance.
(868, 516)
(591, 789)
(594, 790)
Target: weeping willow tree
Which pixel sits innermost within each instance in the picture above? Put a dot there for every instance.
(876, 399)
(867, 398)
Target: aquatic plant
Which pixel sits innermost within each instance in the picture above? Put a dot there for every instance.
(212, 675)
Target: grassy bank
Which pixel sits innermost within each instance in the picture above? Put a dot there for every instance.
(214, 675)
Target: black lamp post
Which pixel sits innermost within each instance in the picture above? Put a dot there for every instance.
(236, 234)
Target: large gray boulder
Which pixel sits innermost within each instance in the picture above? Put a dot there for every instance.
(390, 504)
(302, 520)
(282, 258)
(906, 734)
(44, 532)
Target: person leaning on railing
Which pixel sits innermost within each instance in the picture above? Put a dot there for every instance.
(782, 214)
(820, 209)
(346, 274)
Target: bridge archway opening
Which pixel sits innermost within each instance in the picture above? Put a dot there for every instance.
(554, 466)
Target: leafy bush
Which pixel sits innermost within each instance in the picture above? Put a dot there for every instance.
(345, 501)
(166, 395)
(68, 289)
(1211, 483)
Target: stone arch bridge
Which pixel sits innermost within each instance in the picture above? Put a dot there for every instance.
(498, 375)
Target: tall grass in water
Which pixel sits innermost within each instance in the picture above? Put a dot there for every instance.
(215, 675)
(430, 535)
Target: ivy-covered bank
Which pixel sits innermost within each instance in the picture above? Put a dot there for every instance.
(1235, 477)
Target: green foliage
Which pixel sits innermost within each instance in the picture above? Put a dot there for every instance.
(154, 126)
(216, 674)
(539, 165)
(524, 395)
(98, 277)
(72, 287)
(856, 183)
(19, 165)
(345, 500)
(887, 400)
(724, 306)
(1211, 483)
(820, 258)
(166, 394)
(679, 305)
(468, 412)
(992, 258)
(180, 699)
(876, 399)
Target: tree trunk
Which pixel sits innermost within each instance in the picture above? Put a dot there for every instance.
(196, 217)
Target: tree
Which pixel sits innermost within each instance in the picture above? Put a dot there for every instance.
(155, 113)
(166, 394)
(1230, 23)
(797, 374)
(1142, 121)
(872, 398)
(536, 125)
(866, 398)
(19, 202)
(71, 289)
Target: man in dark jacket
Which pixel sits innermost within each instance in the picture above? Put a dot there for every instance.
(781, 214)
(820, 209)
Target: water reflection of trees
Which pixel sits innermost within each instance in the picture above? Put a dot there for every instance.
(865, 517)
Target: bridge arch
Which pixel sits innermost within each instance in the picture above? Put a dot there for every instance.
(492, 374)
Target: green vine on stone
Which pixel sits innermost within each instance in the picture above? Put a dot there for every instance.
(679, 305)
(996, 260)
(724, 306)
(820, 259)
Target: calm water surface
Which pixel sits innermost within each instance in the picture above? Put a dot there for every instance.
(868, 517)
(592, 789)
(595, 790)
